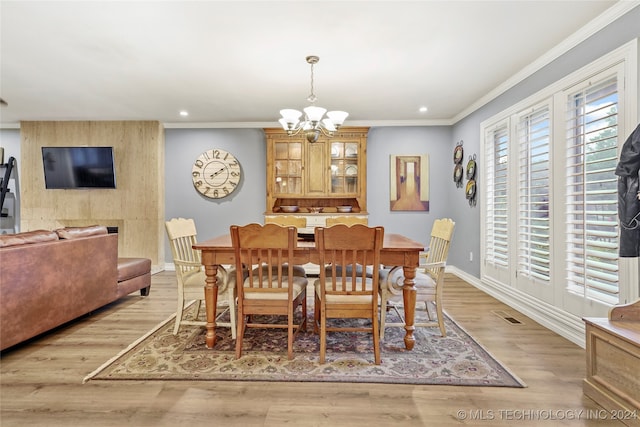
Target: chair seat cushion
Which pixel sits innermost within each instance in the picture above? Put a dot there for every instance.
(369, 270)
(299, 284)
(197, 278)
(344, 299)
(297, 270)
(393, 279)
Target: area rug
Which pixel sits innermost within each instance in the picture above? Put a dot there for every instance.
(456, 359)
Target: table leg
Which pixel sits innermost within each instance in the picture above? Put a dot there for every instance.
(211, 302)
(409, 299)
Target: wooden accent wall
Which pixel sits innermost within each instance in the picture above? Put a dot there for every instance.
(136, 206)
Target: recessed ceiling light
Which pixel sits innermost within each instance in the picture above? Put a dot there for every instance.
(184, 113)
(423, 109)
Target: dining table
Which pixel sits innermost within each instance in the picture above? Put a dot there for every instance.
(397, 250)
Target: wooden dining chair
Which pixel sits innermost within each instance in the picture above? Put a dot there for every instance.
(346, 220)
(265, 254)
(350, 220)
(339, 295)
(287, 220)
(429, 281)
(191, 276)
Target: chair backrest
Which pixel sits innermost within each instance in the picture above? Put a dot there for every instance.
(264, 253)
(441, 234)
(346, 220)
(287, 220)
(342, 245)
(182, 236)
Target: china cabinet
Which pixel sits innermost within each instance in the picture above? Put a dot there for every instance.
(325, 175)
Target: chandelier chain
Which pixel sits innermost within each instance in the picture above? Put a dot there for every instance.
(312, 97)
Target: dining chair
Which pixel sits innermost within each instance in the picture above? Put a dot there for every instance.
(287, 220)
(192, 278)
(295, 221)
(265, 255)
(429, 281)
(350, 220)
(346, 220)
(342, 295)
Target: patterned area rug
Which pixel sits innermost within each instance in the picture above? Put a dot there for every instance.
(456, 359)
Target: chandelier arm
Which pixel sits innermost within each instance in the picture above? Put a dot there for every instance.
(294, 131)
(325, 131)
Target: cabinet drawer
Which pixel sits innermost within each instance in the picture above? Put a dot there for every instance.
(316, 221)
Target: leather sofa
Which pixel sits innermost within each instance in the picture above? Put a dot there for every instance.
(48, 278)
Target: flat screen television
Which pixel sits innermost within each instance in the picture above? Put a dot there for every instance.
(78, 167)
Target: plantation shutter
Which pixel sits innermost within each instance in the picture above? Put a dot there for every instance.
(591, 218)
(496, 152)
(534, 137)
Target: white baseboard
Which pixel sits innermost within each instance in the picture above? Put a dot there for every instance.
(559, 321)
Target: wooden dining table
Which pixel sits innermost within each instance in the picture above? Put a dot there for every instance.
(396, 250)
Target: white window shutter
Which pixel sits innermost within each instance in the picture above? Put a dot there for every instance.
(591, 198)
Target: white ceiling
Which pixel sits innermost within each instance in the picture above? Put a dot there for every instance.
(237, 63)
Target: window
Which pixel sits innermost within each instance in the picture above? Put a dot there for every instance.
(497, 154)
(550, 213)
(533, 139)
(591, 218)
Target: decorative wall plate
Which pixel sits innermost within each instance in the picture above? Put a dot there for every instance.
(471, 192)
(458, 153)
(471, 167)
(458, 172)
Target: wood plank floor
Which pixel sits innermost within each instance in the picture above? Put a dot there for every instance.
(41, 381)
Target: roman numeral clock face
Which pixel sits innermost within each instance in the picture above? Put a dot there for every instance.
(216, 173)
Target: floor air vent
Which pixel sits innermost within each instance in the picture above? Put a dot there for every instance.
(507, 317)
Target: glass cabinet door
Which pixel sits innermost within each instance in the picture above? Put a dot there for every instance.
(344, 167)
(288, 167)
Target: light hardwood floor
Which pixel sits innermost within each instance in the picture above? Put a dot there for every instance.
(41, 381)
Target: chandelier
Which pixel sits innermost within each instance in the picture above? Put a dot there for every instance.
(314, 121)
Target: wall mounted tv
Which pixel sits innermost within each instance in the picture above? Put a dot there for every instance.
(78, 167)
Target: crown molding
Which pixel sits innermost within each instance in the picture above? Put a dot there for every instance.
(9, 125)
(261, 125)
(616, 11)
(606, 18)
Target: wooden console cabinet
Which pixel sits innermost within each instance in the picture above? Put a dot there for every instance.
(613, 363)
(328, 173)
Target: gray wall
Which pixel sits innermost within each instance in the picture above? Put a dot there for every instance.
(467, 233)
(439, 142)
(382, 142)
(10, 141)
(214, 216)
(247, 203)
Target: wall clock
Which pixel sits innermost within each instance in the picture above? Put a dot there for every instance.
(216, 173)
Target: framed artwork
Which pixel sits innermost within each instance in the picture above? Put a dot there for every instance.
(409, 183)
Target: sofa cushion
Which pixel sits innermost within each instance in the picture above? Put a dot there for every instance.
(129, 268)
(27, 237)
(75, 232)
